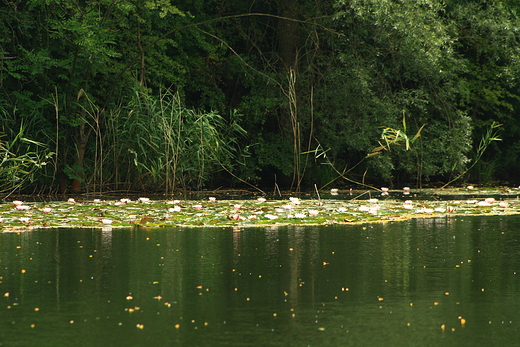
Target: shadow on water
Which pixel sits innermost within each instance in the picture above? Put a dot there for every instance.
(423, 282)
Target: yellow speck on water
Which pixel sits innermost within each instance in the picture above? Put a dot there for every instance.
(36, 309)
(206, 324)
(140, 326)
(147, 239)
(8, 307)
(325, 263)
(71, 321)
(131, 310)
(443, 327)
(291, 249)
(462, 322)
(18, 247)
(435, 303)
(177, 326)
(469, 260)
(199, 287)
(158, 244)
(158, 297)
(408, 324)
(90, 256)
(248, 299)
(482, 289)
(457, 265)
(321, 329)
(155, 282)
(446, 293)
(293, 315)
(23, 271)
(259, 276)
(336, 297)
(411, 304)
(275, 314)
(6, 295)
(129, 297)
(236, 289)
(33, 325)
(332, 252)
(81, 280)
(452, 329)
(380, 299)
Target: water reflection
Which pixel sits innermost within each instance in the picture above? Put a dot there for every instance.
(277, 286)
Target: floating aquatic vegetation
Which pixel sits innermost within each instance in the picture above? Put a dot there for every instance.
(150, 213)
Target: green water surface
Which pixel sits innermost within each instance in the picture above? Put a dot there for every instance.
(447, 281)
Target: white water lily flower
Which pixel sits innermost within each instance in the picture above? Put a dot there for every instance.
(489, 200)
(174, 209)
(24, 219)
(363, 208)
(260, 199)
(502, 204)
(237, 206)
(300, 215)
(287, 207)
(271, 216)
(106, 221)
(342, 209)
(125, 200)
(144, 199)
(23, 207)
(483, 203)
(295, 201)
(17, 202)
(440, 209)
(313, 213)
(47, 210)
(197, 207)
(373, 201)
(212, 199)
(471, 201)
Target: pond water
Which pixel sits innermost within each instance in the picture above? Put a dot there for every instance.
(423, 282)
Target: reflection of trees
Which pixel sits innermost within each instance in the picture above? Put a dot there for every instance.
(91, 271)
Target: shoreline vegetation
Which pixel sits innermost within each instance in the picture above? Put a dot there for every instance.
(334, 207)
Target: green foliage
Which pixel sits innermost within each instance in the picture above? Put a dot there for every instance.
(21, 158)
(157, 143)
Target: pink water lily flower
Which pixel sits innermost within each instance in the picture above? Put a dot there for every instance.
(17, 202)
(106, 221)
(212, 199)
(313, 213)
(47, 210)
(197, 207)
(261, 199)
(23, 207)
(237, 206)
(71, 200)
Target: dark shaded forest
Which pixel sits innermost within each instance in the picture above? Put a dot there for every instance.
(160, 95)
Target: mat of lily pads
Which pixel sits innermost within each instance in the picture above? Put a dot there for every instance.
(143, 212)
